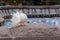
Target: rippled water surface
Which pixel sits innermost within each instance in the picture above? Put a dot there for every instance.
(49, 21)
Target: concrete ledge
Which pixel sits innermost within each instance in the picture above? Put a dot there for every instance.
(32, 38)
(18, 7)
(36, 31)
(8, 38)
(38, 38)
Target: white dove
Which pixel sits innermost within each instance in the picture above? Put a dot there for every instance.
(19, 18)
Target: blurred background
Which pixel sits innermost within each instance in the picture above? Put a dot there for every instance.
(30, 2)
(35, 14)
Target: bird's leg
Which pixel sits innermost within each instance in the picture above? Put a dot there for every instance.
(23, 23)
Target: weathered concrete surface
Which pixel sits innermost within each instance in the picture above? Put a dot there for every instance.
(37, 31)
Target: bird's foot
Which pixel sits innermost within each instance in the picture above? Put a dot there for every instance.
(23, 24)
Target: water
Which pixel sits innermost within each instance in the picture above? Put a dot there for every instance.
(8, 23)
(49, 21)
